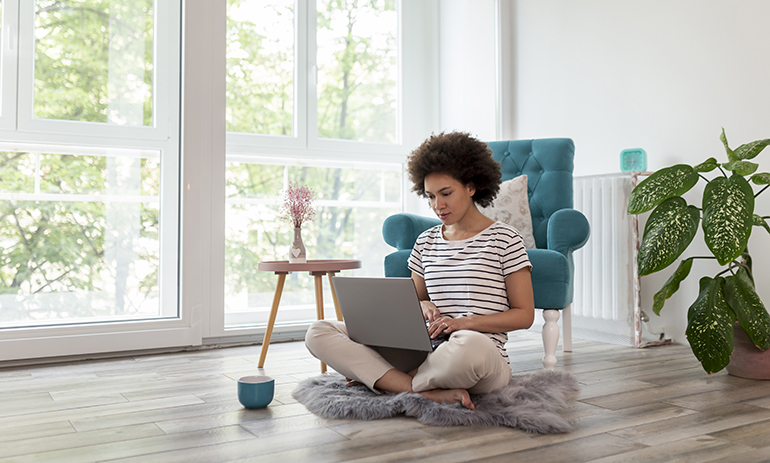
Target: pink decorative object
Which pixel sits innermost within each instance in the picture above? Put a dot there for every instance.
(297, 205)
(298, 208)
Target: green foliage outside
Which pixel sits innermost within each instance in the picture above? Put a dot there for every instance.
(51, 246)
(727, 218)
(357, 85)
(73, 39)
(356, 69)
(260, 67)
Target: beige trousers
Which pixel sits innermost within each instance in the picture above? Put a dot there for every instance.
(469, 360)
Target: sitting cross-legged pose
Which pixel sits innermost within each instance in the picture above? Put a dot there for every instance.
(472, 276)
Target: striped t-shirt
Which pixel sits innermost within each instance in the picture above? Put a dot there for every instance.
(467, 277)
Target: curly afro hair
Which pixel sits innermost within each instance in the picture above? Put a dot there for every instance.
(462, 157)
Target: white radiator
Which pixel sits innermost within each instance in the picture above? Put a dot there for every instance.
(607, 302)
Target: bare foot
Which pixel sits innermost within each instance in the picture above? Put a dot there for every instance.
(452, 396)
(353, 382)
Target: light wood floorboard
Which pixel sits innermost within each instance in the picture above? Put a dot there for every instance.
(635, 405)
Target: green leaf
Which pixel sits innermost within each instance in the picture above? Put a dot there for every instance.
(728, 216)
(669, 230)
(710, 326)
(660, 186)
(761, 179)
(751, 150)
(760, 222)
(706, 166)
(672, 285)
(730, 153)
(751, 313)
(742, 167)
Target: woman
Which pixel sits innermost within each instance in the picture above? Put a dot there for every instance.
(472, 275)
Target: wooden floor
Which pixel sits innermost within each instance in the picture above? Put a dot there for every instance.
(645, 405)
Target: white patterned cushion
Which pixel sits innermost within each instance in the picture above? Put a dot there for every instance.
(512, 207)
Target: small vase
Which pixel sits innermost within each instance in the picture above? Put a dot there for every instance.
(297, 253)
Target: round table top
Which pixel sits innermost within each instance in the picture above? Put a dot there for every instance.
(328, 265)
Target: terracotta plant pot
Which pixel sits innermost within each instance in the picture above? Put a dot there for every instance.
(747, 361)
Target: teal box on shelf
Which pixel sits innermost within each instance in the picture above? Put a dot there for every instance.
(634, 159)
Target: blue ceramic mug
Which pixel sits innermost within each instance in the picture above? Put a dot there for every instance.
(256, 391)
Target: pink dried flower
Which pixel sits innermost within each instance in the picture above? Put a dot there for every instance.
(297, 205)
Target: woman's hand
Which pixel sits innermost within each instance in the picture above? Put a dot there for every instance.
(447, 325)
(429, 311)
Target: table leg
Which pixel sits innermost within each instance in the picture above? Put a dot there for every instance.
(319, 304)
(319, 296)
(334, 297)
(271, 320)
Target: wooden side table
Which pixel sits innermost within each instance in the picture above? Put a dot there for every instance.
(316, 268)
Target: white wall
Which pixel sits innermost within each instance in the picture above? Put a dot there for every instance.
(420, 84)
(468, 67)
(657, 74)
(419, 53)
(466, 79)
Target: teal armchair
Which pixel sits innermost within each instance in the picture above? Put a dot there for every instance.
(558, 229)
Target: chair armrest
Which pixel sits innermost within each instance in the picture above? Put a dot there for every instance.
(568, 230)
(396, 264)
(401, 230)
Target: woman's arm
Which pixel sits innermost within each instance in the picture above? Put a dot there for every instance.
(429, 309)
(518, 285)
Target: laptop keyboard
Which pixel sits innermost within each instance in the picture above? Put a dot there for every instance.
(438, 340)
(434, 343)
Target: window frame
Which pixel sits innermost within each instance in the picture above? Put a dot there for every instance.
(8, 58)
(163, 107)
(298, 139)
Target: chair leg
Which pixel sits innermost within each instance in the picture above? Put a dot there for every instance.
(566, 326)
(550, 337)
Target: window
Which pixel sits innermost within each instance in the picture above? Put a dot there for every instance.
(260, 67)
(94, 61)
(108, 242)
(89, 162)
(319, 78)
(305, 71)
(357, 73)
(80, 234)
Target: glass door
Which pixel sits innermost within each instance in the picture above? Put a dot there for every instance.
(89, 169)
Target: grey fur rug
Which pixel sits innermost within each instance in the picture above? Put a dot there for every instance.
(530, 402)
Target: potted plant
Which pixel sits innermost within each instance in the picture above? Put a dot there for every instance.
(727, 218)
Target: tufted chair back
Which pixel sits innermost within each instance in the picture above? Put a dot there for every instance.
(548, 165)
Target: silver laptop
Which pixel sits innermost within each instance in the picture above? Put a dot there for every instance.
(385, 314)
